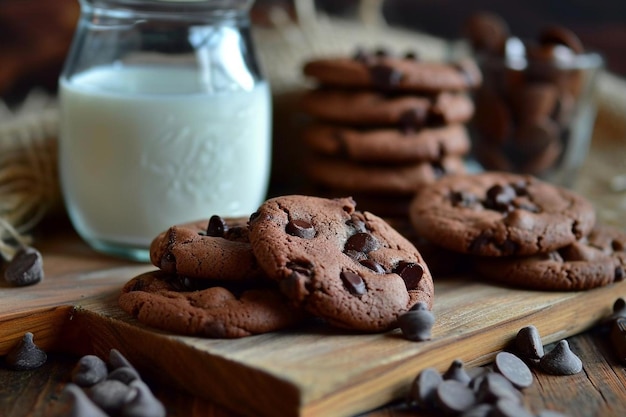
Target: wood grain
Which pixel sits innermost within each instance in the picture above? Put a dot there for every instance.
(313, 371)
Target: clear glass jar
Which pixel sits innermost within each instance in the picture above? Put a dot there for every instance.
(165, 119)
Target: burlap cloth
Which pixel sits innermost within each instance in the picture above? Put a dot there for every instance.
(29, 187)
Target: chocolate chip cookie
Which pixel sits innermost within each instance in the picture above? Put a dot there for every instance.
(388, 145)
(205, 308)
(500, 214)
(593, 261)
(213, 249)
(348, 267)
(384, 72)
(370, 108)
(404, 179)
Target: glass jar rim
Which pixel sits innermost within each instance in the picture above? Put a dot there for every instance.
(172, 5)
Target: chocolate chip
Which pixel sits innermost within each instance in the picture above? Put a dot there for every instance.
(373, 265)
(82, 405)
(301, 228)
(25, 354)
(561, 36)
(494, 387)
(216, 227)
(353, 282)
(463, 199)
(141, 402)
(412, 56)
(25, 268)
(412, 119)
(477, 245)
(561, 360)
(362, 242)
(514, 369)
(110, 395)
(411, 273)
(456, 371)
(123, 374)
(454, 397)
(417, 323)
(528, 343)
(499, 197)
(384, 76)
(294, 286)
(619, 273)
(509, 408)
(479, 410)
(424, 388)
(89, 370)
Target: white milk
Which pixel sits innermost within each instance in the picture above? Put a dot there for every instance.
(141, 150)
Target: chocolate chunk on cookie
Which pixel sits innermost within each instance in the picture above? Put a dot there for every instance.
(500, 214)
(388, 145)
(350, 268)
(402, 179)
(368, 108)
(214, 249)
(596, 260)
(206, 308)
(384, 72)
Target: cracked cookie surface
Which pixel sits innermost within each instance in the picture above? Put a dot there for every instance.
(500, 214)
(214, 249)
(596, 260)
(348, 267)
(206, 308)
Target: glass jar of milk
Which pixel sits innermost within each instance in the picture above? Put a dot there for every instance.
(165, 119)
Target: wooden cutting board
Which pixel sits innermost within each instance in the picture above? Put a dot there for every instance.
(310, 372)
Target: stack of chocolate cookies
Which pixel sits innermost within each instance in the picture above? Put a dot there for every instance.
(521, 231)
(296, 258)
(384, 126)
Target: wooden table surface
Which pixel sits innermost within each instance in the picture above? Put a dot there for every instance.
(600, 390)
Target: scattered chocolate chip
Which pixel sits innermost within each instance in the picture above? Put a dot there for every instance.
(456, 371)
(417, 323)
(454, 397)
(110, 395)
(25, 268)
(123, 374)
(509, 408)
(618, 338)
(528, 343)
(89, 370)
(411, 273)
(424, 388)
(217, 227)
(82, 405)
(353, 282)
(362, 242)
(25, 354)
(141, 402)
(493, 387)
(561, 360)
(514, 369)
(373, 265)
(479, 410)
(301, 228)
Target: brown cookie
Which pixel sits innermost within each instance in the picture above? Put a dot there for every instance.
(195, 308)
(384, 72)
(388, 145)
(402, 179)
(348, 267)
(212, 249)
(593, 261)
(500, 214)
(366, 108)
(383, 179)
